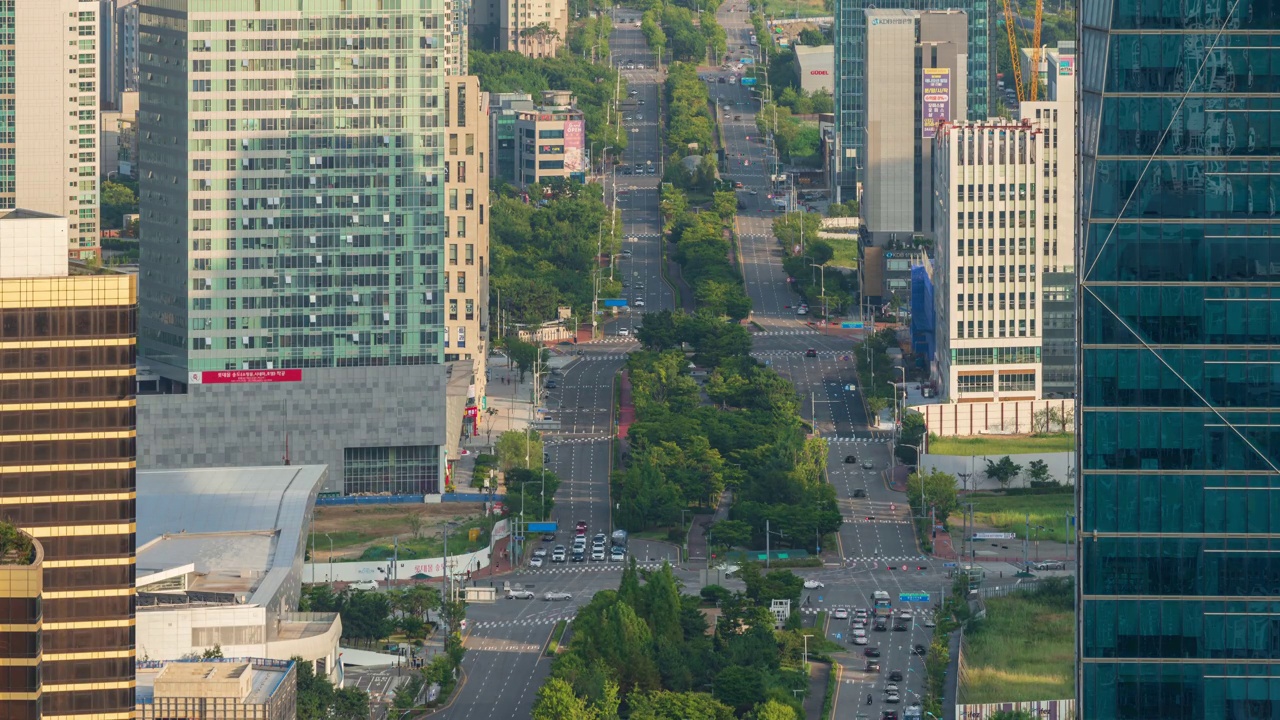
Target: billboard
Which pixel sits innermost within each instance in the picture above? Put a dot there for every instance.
(1067, 65)
(935, 100)
(575, 132)
(234, 377)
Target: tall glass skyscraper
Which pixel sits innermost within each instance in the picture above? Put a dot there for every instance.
(1179, 390)
(850, 83)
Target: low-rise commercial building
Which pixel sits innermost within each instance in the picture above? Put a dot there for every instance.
(220, 555)
(223, 689)
(815, 68)
(535, 142)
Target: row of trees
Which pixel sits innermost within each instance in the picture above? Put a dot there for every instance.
(544, 247)
(589, 38)
(797, 139)
(748, 437)
(690, 127)
(704, 252)
(672, 25)
(595, 85)
(371, 617)
(645, 652)
(839, 287)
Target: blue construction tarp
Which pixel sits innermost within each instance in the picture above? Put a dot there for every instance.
(923, 320)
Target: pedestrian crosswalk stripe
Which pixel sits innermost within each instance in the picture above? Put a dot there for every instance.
(776, 333)
(583, 567)
(565, 441)
(858, 439)
(895, 559)
(524, 622)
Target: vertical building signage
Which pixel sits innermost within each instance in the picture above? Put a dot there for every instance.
(574, 139)
(935, 100)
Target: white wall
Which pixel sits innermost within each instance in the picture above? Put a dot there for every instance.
(1062, 466)
(377, 570)
(993, 418)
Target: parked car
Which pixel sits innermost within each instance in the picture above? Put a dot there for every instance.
(519, 594)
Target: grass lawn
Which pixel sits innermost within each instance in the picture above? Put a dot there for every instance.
(1008, 513)
(846, 251)
(786, 9)
(1023, 650)
(998, 445)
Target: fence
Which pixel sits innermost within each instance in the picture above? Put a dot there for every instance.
(408, 499)
(1001, 590)
(1040, 709)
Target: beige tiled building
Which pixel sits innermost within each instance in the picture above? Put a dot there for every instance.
(239, 689)
(536, 28)
(466, 226)
(49, 114)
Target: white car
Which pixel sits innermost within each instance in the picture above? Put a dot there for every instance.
(535, 562)
(624, 332)
(812, 584)
(554, 595)
(617, 554)
(904, 614)
(638, 303)
(597, 555)
(892, 698)
(519, 594)
(859, 639)
(840, 614)
(368, 585)
(540, 552)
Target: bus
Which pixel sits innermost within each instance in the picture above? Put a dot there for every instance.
(880, 603)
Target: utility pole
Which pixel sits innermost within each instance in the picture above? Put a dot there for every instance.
(767, 555)
(1026, 539)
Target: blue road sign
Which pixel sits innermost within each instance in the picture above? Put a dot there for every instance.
(543, 527)
(851, 325)
(950, 565)
(615, 302)
(819, 598)
(913, 597)
(838, 636)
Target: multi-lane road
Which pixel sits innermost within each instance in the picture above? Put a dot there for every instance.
(504, 665)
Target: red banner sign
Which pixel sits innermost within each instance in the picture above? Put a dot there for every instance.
(232, 377)
(819, 72)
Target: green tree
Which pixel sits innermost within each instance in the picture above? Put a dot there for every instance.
(212, 653)
(939, 494)
(1003, 471)
(812, 37)
(774, 710)
(739, 687)
(911, 437)
(117, 200)
(730, 533)
(516, 447)
(557, 701)
(1038, 473)
(664, 705)
(523, 354)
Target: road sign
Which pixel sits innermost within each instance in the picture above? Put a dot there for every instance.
(615, 302)
(994, 536)
(851, 325)
(950, 565)
(838, 636)
(850, 388)
(913, 597)
(543, 527)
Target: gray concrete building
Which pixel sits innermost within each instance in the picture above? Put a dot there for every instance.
(915, 64)
(118, 48)
(291, 171)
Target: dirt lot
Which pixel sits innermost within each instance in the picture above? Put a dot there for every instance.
(353, 528)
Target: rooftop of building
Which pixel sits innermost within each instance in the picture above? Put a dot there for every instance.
(16, 547)
(23, 214)
(221, 535)
(265, 678)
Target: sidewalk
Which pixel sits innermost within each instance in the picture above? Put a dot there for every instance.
(626, 407)
(818, 678)
(697, 538)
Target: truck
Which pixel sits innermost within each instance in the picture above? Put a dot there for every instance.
(619, 538)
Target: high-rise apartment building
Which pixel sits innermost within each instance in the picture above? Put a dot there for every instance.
(49, 84)
(1004, 240)
(118, 51)
(535, 28)
(466, 227)
(1179, 578)
(67, 463)
(851, 75)
(915, 81)
(291, 183)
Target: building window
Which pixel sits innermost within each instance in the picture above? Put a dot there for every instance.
(453, 309)
(404, 470)
(975, 383)
(1017, 382)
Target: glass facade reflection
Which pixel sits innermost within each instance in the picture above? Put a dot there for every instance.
(1179, 330)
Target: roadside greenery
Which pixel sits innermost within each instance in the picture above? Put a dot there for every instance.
(589, 38)
(671, 25)
(797, 139)
(801, 230)
(318, 699)
(689, 124)
(872, 360)
(644, 652)
(1009, 513)
(1023, 649)
(932, 496)
(1002, 444)
(594, 85)
(747, 436)
(543, 249)
(704, 252)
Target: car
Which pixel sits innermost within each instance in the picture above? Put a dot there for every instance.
(557, 555)
(720, 80)
(872, 652)
(737, 185)
(624, 332)
(905, 614)
(552, 384)
(859, 493)
(840, 614)
(625, 253)
(929, 622)
(640, 102)
(811, 353)
(367, 585)
(872, 666)
(919, 650)
(597, 555)
(639, 116)
(634, 93)
(638, 303)
(578, 557)
(617, 554)
(892, 698)
(891, 688)
(548, 537)
(900, 627)
(850, 459)
(581, 526)
(880, 626)
(860, 640)
(889, 715)
(1051, 565)
(859, 625)
(540, 552)
(535, 562)
(895, 675)
(519, 594)
(557, 595)
(868, 465)
(812, 584)
(753, 192)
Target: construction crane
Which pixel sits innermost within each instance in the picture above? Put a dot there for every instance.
(1033, 78)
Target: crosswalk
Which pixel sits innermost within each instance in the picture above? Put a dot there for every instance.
(584, 567)
(778, 333)
(891, 559)
(523, 622)
(878, 520)
(861, 440)
(610, 341)
(798, 353)
(575, 440)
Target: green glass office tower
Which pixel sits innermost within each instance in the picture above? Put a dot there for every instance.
(850, 65)
(291, 177)
(1179, 389)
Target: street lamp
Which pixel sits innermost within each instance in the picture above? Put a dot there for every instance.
(768, 555)
(330, 557)
(823, 272)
